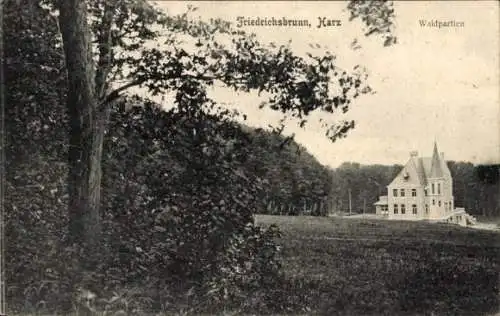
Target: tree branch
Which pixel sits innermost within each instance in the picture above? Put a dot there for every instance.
(104, 43)
(116, 93)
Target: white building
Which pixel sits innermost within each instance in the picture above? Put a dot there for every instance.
(422, 190)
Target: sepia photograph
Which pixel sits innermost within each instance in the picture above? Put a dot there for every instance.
(249, 158)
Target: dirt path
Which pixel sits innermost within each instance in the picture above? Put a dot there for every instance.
(378, 239)
(486, 226)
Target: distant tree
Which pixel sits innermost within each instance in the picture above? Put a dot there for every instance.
(488, 176)
(476, 188)
(366, 183)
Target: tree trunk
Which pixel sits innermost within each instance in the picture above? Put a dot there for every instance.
(86, 126)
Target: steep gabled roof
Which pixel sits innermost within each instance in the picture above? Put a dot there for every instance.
(409, 174)
(444, 167)
(424, 167)
(419, 170)
(436, 164)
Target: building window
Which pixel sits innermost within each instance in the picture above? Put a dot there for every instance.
(439, 188)
(445, 206)
(414, 208)
(425, 191)
(413, 192)
(402, 192)
(403, 208)
(439, 203)
(426, 208)
(433, 202)
(432, 186)
(395, 192)
(395, 208)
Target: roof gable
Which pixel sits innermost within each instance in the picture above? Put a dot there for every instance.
(418, 170)
(424, 168)
(436, 164)
(409, 174)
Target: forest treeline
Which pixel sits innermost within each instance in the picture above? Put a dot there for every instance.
(296, 183)
(299, 184)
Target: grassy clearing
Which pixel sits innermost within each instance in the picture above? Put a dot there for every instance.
(339, 266)
(356, 267)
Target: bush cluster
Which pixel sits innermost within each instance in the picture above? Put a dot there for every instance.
(177, 222)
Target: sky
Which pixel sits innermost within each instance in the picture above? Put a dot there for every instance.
(435, 84)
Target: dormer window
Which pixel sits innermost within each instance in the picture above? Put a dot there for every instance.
(406, 175)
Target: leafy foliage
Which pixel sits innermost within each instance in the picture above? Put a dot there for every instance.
(35, 195)
(377, 16)
(296, 182)
(366, 183)
(177, 199)
(99, 53)
(191, 218)
(476, 188)
(34, 73)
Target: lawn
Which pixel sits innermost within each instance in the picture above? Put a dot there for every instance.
(339, 266)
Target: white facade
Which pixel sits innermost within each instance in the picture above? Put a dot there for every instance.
(422, 190)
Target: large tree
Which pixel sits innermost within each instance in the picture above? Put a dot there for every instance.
(104, 43)
(85, 149)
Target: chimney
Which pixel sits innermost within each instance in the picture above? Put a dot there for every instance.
(413, 153)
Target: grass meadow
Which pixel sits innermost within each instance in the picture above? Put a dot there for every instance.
(359, 267)
(342, 266)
